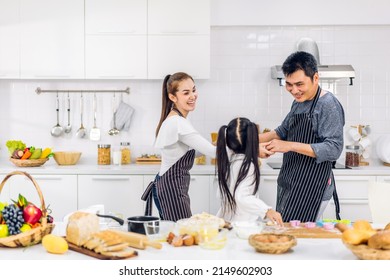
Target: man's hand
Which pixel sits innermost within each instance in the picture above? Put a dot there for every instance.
(278, 146)
(263, 151)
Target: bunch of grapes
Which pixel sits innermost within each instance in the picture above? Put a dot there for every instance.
(13, 217)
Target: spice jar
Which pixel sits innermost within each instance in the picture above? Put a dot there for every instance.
(104, 154)
(352, 155)
(125, 153)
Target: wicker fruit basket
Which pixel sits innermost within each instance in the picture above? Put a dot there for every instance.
(28, 162)
(271, 243)
(364, 252)
(35, 235)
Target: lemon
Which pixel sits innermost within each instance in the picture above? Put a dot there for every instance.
(25, 227)
(55, 244)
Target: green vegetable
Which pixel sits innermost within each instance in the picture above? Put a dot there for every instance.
(12, 145)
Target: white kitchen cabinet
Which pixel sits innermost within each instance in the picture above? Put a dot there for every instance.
(116, 56)
(353, 197)
(181, 17)
(178, 38)
(120, 194)
(214, 201)
(383, 179)
(52, 39)
(116, 39)
(9, 39)
(116, 17)
(185, 53)
(199, 193)
(59, 192)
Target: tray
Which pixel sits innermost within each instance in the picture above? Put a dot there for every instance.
(144, 160)
(97, 255)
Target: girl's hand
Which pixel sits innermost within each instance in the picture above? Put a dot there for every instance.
(275, 217)
(263, 151)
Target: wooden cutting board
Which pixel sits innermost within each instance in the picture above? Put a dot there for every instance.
(96, 255)
(302, 232)
(143, 160)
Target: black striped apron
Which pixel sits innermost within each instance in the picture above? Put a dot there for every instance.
(302, 181)
(172, 190)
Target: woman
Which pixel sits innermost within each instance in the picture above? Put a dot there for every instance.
(239, 174)
(178, 140)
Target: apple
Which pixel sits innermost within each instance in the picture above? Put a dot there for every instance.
(31, 214)
(3, 230)
(25, 227)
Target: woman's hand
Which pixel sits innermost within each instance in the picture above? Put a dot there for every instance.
(263, 152)
(275, 217)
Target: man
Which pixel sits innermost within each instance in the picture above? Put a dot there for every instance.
(310, 138)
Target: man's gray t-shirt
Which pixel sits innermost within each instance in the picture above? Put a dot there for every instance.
(328, 122)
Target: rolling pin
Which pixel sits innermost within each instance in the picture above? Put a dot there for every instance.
(137, 240)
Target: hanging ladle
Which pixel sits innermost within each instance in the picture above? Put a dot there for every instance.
(68, 128)
(81, 131)
(113, 131)
(57, 130)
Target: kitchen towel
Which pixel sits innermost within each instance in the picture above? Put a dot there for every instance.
(124, 115)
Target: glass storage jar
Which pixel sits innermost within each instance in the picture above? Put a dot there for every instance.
(125, 153)
(352, 155)
(104, 154)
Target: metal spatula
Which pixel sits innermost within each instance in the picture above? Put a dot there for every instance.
(94, 134)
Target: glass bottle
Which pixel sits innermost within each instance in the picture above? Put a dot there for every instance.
(104, 154)
(125, 153)
(352, 155)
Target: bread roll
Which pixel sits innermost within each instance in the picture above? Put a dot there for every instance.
(380, 240)
(387, 227)
(362, 225)
(355, 237)
(80, 227)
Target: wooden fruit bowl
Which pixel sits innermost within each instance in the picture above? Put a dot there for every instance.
(28, 162)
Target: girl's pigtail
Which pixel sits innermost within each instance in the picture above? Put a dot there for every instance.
(166, 103)
(223, 171)
(252, 152)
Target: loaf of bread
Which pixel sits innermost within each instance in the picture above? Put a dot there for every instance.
(81, 226)
(387, 227)
(380, 240)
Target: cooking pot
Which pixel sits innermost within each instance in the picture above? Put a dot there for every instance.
(135, 223)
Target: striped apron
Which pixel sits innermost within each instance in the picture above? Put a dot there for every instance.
(302, 181)
(172, 190)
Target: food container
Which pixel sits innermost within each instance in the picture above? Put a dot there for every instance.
(271, 243)
(136, 223)
(125, 153)
(352, 154)
(104, 154)
(244, 229)
(66, 158)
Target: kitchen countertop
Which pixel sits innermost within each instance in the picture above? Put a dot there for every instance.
(89, 166)
(235, 249)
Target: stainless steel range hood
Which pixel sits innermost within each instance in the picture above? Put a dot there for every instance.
(326, 72)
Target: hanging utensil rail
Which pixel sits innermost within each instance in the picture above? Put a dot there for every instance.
(39, 90)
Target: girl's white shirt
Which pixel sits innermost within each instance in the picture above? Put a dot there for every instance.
(175, 138)
(249, 207)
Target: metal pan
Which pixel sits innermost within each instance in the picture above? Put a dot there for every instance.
(134, 224)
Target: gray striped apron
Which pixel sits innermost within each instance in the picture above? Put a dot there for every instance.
(302, 181)
(172, 190)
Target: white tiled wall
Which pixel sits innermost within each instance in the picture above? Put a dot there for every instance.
(240, 85)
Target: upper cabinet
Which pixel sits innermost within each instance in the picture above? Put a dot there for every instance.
(179, 38)
(52, 39)
(115, 39)
(9, 39)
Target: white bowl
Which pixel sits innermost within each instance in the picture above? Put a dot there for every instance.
(244, 229)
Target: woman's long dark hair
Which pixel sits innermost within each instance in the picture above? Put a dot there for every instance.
(242, 137)
(170, 86)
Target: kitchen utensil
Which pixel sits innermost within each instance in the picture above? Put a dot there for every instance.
(137, 240)
(94, 134)
(66, 158)
(113, 131)
(99, 256)
(134, 224)
(68, 128)
(57, 130)
(81, 131)
(244, 229)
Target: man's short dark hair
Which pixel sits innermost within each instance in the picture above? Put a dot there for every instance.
(300, 61)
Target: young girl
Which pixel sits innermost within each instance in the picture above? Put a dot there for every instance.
(177, 140)
(239, 174)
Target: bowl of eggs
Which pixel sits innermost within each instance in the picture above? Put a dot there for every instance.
(272, 243)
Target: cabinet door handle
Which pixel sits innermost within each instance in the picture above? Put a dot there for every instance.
(51, 76)
(110, 178)
(116, 77)
(177, 32)
(352, 201)
(115, 32)
(46, 178)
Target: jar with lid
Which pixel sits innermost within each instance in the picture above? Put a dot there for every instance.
(125, 153)
(352, 155)
(104, 154)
